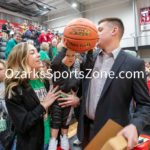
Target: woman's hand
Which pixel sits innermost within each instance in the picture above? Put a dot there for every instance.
(50, 97)
(70, 100)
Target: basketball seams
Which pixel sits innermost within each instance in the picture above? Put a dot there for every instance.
(81, 25)
(78, 39)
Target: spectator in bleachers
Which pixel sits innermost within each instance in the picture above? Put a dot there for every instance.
(24, 27)
(3, 43)
(11, 34)
(53, 32)
(36, 35)
(146, 130)
(49, 36)
(9, 27)
(53, 50)
(43, 52)
(58, 37)
(2, 87)
(42, 37)
(4, 27)
(5, 30)
(2, 76)
(27, 34)
(57, 33)
(147, 68)
(15, 30)
(148, 81)
(11, 43)
(31, 27)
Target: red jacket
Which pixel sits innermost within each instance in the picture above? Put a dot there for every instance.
(49, 37)
(31, 27)
(148, 84)
(42, 38)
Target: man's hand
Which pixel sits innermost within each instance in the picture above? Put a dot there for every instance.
(51, 96)
(70, 100)
(130, 133)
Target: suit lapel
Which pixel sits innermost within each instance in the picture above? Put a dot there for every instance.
(95, 57)
(115, 68)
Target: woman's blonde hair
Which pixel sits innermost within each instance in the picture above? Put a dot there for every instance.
(3, 62)
(16, 67)
(30, 42)
(44, 46)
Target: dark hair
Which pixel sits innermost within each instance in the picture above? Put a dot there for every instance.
(46, 62)
(17, 33)
(3, 62)
(116, 22)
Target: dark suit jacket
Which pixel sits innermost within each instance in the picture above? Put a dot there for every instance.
(27, 114)
(116, 96)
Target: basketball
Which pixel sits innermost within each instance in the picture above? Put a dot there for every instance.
(80, 35)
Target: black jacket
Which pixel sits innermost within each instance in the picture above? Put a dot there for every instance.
(6, 136)
(27, 114)
(116, 96)
(72, 82)
(50, 53)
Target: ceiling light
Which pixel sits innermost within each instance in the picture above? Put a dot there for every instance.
(74, 5)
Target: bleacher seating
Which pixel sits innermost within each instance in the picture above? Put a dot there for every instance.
(3, 43)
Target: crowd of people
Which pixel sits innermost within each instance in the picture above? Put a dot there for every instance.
(30, 32)
(39, 106)
(34, 35)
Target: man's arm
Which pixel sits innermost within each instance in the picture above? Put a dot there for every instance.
(142, 98)
(57, 61)
(142, 111)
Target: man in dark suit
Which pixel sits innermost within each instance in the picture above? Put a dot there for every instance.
(109, 96)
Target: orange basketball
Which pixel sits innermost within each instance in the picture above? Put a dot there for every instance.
(80, 35)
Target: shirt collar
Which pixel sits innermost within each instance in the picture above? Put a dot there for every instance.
(114, 53)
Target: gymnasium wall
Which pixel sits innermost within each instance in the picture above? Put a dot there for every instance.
(19, 18)
(97, 11)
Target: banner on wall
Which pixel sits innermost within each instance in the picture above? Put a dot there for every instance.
(145, 18)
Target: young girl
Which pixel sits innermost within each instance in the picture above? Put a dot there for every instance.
(65, 63)
(53, 49)
(44, 47)
(27, 98)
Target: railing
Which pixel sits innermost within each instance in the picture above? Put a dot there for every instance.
(142, 40)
